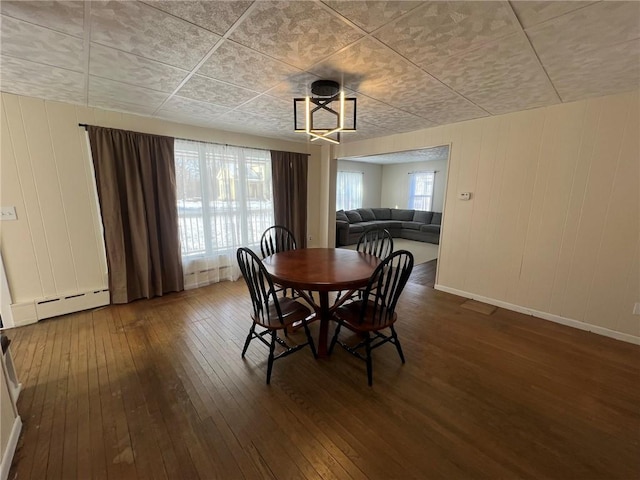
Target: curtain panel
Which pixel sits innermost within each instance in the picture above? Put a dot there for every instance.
(135, 178)
(289, 174)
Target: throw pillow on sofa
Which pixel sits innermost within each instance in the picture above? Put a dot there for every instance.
(366, 214)
(353, 216)
(340, 215)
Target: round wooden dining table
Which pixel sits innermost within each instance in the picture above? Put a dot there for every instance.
(321, 270)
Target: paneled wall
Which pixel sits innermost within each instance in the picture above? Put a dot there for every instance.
(552, 228)
(55, 247)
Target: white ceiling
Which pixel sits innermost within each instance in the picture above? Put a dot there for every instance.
(237, 65)
(409, 156)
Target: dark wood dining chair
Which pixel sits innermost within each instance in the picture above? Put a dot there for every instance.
(376, 310)
(277, 239)
(375, 241)
(270, 312)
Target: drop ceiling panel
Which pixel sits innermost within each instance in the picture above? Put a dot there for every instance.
(297, 33)
(23, 77)
(145, 31)
(531, 13)
(185, 106)
(454, 109)
(604, 71)
(440, 29)
(500, 77)
(216, 16)
(210, 90)
(128, 68)
(388, 117)
(41, 45)
(583, 30)
(106, 92)
(252, 69)
(370, 15)
(65, 17)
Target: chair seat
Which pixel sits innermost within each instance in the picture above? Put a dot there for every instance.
(350, 314)
(292, 311)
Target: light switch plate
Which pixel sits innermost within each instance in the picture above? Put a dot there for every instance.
(8, 213)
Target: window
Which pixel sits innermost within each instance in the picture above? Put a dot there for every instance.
(421, 190)
(349, 186)
(224, 202)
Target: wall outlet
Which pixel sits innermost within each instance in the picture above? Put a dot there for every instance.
(636, 308)
(8, 213)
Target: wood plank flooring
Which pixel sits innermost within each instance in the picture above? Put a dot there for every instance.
(157, 389)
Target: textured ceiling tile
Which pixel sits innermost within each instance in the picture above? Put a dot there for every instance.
(209, 90)
(605, 71)
(256, 124)
(298, 33)
(270, 107)
(386, 116)
(370, 68)
(42, 81)
(142, 30)
(500, 77)
(249, 68)
(587, 29)
(128, 68)
(65, 17)
(213, 15)
(120, 106)
(41, 45)
(187, 106)
(423, 155)
(456, 109)
(534, 12)
(107, 92)
(441, 29)
(370, 15)
(296, 85)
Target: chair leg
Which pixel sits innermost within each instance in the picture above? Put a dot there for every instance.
(397, 343)
(248, 340)
(272, 348)
(309, 338)
(369, 362)
(334, 339)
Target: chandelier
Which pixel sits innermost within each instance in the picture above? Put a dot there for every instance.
(326, 113)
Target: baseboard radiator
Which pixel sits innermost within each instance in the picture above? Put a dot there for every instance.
(30, 312)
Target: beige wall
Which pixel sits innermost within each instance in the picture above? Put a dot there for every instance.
(552, 228)
(55, 247)
(395, 183)
(372, 180)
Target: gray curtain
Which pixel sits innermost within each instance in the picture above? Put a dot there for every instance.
(289, 177)
(136, 180)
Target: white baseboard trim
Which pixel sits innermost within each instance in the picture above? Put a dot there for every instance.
(570, 322)
(7, 455)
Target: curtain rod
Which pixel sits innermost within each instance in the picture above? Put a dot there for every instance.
(423, 171)
(86, 127)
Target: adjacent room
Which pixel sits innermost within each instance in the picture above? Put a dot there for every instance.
(319, 239)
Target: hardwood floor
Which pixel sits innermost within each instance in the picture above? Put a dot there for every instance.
(157, 389)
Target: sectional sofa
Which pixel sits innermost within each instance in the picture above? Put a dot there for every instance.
(401, 223)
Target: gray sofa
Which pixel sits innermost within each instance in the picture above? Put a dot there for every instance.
(401, 223)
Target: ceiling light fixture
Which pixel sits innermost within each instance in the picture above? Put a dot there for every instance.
(327, 113)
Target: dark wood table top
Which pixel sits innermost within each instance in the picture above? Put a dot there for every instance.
(321, 269)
